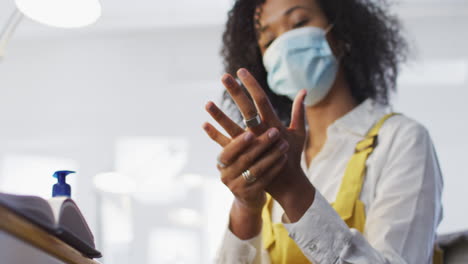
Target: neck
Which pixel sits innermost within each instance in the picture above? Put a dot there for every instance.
(336, 104)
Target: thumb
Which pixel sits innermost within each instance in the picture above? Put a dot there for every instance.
(298, 112)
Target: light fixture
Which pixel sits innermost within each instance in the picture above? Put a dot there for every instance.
(9, 30)
(61, 13)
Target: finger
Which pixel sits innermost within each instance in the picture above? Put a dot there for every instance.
(244, 160)
(260, 98)
(237, 145)
(229, 126)
(215, 135)
(244, 103)
(260, 169)
(298, 112)
(264, 176)
(271, 173)
(246, 106)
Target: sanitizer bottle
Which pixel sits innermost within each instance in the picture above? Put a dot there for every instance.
(61, 188)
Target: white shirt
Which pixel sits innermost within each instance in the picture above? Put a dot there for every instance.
(401, 192)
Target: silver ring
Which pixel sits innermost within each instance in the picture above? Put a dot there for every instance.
(248, 177)
(253, 122)
(220, 163)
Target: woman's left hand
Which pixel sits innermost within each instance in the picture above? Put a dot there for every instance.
(293, 180)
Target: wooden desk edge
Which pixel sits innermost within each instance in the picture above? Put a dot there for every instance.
(23, 229)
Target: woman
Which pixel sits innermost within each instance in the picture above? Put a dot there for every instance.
(347, 181)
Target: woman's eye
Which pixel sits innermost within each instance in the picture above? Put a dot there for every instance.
(301, 23)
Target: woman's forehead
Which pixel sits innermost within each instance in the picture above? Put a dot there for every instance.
(273, 10)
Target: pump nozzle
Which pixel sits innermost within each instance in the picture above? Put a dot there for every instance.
(61, 188)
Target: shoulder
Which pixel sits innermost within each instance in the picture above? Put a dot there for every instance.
(406, 159)
(405, 148)
(402, 143)
(404, 131)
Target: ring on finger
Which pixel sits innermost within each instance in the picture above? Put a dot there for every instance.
(248, 177)
(253, 122)
(220, 163)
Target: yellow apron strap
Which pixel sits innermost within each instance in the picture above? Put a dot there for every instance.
(351, 185)
(438, 257)
(268, 236)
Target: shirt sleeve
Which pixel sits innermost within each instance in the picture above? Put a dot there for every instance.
(236, 251)
(401, 221)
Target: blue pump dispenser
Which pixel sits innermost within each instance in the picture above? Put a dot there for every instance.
(61, 188)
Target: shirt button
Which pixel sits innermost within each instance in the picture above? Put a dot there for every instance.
(312, 247)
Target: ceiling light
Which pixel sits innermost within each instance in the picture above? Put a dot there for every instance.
(61, 13)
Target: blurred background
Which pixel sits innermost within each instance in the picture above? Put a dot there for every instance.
(122, 102)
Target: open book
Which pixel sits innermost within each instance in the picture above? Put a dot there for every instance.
(60, 216)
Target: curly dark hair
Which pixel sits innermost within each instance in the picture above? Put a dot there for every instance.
(373, 37)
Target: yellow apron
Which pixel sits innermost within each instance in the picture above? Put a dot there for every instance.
(283, 250)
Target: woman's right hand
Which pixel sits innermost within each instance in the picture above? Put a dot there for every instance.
(264, 156)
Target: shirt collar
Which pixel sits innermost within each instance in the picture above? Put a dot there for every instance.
(360, 120)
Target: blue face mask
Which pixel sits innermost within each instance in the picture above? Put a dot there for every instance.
(301, 59)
